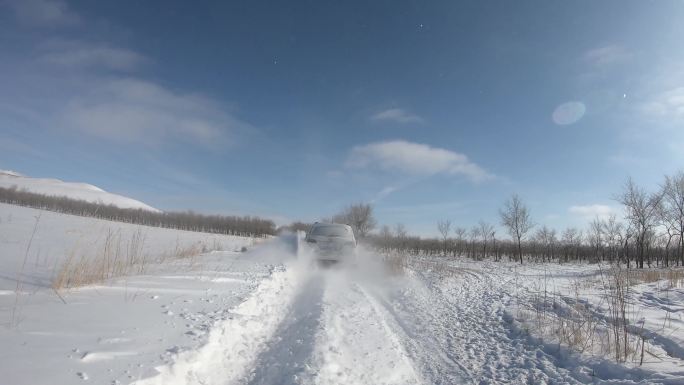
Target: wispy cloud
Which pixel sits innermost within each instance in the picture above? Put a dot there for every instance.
(133, 110)
(43, 13)
(593, 211)
(92, 97)
(11, 145)
(414, 159)
(397, 115)
(138, 111)
(384, 193)
(606, 55)
(668, 104)
(437, 207)
(79, 55)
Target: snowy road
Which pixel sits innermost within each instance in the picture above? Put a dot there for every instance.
(339, 326)
(315, 327)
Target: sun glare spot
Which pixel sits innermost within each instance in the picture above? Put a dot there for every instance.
(568, 113)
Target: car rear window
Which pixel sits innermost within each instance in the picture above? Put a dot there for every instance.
(331, 231)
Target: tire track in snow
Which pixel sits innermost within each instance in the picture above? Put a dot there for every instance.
(286, 360)
(428, 347)
(334, 333)
(355, 345)
(480, 338)
(299, 327)
(454, 328)
(235, 343)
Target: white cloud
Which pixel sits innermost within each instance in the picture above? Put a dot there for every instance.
(138, 111)
(43, 12)
(593, 211)
(668, 105)
(607, 55)
(77, 55)
(414, 159)
(397, 115)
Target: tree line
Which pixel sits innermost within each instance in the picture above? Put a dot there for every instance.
(250, 226)
(651, 233)
(359, 216)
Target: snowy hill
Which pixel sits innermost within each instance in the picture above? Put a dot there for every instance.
(81, 191)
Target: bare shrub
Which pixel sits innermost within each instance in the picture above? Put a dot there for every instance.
(576, 324)
(628, 341)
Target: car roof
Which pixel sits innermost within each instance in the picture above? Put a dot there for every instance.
(317, 224)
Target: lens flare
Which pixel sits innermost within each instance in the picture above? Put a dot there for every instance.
(568, 113)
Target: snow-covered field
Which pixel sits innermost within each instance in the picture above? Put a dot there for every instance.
(269, 316)
(548, 294)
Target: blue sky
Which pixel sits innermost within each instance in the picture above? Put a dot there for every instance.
(291, 110)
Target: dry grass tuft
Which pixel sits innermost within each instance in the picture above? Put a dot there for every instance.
(121, 255)
(674, 276)
(573, 322)
(117, 257)
(396, 263)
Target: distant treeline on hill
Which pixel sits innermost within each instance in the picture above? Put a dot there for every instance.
(218, 224)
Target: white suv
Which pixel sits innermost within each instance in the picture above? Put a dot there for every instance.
(332, 242)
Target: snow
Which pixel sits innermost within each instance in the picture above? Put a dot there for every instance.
(567, 286)
(118, 329)
(59, 236)
(357, 345)
(271, 316)
(79, 191)
(10, 173)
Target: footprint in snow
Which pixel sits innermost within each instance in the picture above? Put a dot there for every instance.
(173, 350)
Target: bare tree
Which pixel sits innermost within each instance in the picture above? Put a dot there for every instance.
(670, 234)
(386, 235)
(359, 216)
(546, 238)
(595, 236)
(473, 235)
(444, 228)
(673, 202)
(515, 216)
(400, 230)
(401, 234)
(572, 241)
(486, 234)
(296, 226)
(612, 233)
(642, 213)
(460, 233)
